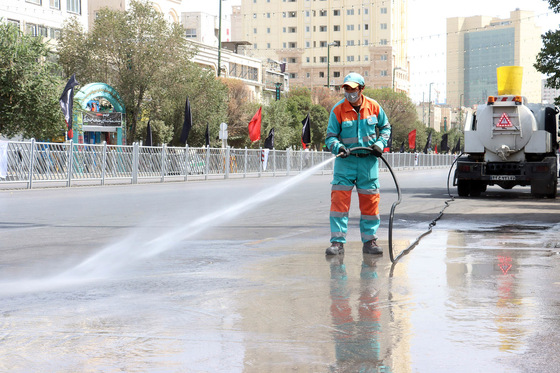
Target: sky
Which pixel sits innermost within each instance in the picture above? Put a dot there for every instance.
(427, 33)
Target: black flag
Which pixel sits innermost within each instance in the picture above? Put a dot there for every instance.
(428, 143)
(306, 132)
(457, 148)
(67, 103)
(269, 142)
(207, 135)
(148, 141)
(402, 148)
(187, 123)
(444, 147)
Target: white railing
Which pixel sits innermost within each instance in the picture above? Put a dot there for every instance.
(32, 163)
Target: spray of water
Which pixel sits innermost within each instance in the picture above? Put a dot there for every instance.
(119, 255)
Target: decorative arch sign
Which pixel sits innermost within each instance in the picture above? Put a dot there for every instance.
(95, 121)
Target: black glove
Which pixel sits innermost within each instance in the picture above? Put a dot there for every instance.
(343, 152)
(376, 150)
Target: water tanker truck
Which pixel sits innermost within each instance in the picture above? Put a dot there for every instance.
(509, 142)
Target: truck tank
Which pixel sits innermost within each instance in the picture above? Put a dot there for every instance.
(509, 142)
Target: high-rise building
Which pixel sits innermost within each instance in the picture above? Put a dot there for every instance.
(322, 41)
(477, 46)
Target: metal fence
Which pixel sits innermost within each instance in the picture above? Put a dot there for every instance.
(32, 163)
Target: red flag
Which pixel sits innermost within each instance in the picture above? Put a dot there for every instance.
(412, 139)
(255, 126)
(435, 150)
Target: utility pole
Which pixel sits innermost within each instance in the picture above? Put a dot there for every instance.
(220, 38)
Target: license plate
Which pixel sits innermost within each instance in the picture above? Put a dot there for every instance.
(502, 177)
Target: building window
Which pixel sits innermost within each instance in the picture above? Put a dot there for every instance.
(74, 6)
(336, 28)
(284, 45)
(383, 57)
(366, 73)
(322, 13)
(383, 26)
(308, 75)
(336, 74)
(31, 29)
(292, 30)
(267, 15)
(307, 29)
(366, 58)
(384, 73)
(323, 59)
(350, 27)
(292, 14)
(293, 45)
(54, 4)
(323, 44)
(383, 42)
(307, 59)
(307, 13)
(292, 60)
(293, 76)
(383, 10)
(349, 43)
(38, 2)
(350, 58)
(283, 29)
(336, 59)
(366, 42)
(267, 45)
(366, 26)
(322, 28)
(268, 30)
(321, 74)
(336, 12)
(43, 31)
(307, 45)
(366, 11)
(349, 12)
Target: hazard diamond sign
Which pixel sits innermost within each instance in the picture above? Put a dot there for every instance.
(504, 121)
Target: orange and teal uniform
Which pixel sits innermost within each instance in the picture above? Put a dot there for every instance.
(349, 129)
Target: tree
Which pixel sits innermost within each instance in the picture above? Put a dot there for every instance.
(548, 59)
(149, 62)
(29, 87)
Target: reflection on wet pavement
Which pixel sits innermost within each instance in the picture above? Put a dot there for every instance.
(462, 301)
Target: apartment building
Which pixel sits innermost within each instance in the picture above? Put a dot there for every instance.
(323, 40)
(477, 46)
(43, 17)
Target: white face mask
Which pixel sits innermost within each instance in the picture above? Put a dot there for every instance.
(352, 97)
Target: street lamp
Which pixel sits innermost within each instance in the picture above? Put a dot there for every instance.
(395, 69)
(219, 37)
(430, 106)
(329, 63)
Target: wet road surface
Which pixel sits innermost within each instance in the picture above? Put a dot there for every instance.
(179, 277)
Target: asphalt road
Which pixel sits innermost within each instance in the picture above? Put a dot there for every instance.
(230, 276)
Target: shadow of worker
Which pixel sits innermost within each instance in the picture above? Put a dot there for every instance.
(356, 341)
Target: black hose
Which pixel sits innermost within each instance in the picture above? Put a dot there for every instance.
(398, 201)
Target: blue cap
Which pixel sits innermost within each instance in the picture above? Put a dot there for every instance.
(353, 80)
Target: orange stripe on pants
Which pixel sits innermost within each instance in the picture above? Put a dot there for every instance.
(340, 200)
(369, 204)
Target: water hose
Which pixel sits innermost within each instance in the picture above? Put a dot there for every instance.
(394, 259)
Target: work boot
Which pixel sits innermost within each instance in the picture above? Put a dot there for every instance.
(336, 248)
(370, 247)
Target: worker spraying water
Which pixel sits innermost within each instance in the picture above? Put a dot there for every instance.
(356, 121)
